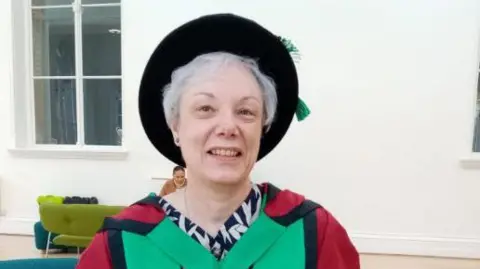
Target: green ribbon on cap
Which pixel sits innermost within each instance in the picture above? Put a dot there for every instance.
(288, 44)
(302, 110)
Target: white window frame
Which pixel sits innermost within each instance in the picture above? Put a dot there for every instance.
(472, 160)
(23, 142)
(477, 112)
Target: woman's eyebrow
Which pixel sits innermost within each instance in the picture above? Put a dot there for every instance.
(205, 94)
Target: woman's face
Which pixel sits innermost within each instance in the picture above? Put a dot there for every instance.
(179, 175)
(220, 125)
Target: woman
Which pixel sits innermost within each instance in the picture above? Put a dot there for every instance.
(177, 182)
(230, 91)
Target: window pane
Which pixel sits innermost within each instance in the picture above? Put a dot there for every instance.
(476, 134)
(53, 42)
(103, 111)
(101, 41)
(55, 111)
(86, 2)
(51, 2)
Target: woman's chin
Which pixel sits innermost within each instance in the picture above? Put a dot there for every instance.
(225, 177)
(221, 172)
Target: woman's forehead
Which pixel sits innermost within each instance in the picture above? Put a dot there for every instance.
(232, 82)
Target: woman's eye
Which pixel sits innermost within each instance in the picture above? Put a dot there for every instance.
(205, 109)
(246, 112)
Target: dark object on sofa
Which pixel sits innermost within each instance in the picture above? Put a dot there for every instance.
(94, 200)
(50, 263)
(80, 200)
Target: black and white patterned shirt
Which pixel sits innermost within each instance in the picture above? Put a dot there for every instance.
(231, 231)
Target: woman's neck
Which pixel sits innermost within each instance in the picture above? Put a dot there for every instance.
(210, 205)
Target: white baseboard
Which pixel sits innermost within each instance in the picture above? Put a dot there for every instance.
(416, 245)
(365, 242)
(17, 226)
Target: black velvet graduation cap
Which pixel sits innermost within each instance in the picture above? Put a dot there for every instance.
(212, 33)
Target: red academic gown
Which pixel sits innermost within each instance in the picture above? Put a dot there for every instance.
(335, 250)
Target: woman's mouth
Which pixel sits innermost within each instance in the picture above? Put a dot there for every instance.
(225, 152)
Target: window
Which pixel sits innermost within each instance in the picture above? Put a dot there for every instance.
(476, 134)
(75, 72)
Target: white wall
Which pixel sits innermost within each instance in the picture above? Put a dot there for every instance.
(391, 85)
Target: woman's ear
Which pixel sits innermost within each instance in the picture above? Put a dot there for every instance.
(174, 129)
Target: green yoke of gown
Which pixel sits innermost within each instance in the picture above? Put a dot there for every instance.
(283, 236)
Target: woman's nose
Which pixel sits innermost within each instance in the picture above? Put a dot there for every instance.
(227, 126)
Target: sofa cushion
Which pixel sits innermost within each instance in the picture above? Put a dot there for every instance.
(75, 219)
(72, 240)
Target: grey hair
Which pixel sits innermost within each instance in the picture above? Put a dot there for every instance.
(206, 64)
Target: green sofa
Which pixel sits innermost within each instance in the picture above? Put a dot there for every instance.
(53, 263)
(74, 224)
(41, 237)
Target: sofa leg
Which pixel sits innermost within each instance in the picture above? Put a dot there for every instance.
(48, 244)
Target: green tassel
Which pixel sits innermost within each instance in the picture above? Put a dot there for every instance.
(302, 111)
(291, 48)
(289, 45)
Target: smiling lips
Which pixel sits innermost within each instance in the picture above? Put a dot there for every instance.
(225, 152)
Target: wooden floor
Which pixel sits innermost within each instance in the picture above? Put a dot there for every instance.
(16, 247)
